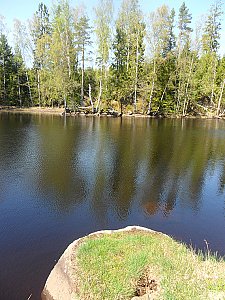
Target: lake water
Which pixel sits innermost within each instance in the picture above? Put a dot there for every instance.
(63, 178)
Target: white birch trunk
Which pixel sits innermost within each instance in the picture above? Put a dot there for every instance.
(4, 80)
(220, 99)
(92, 104)
(213, 83)
(128, 56)
(99, 97)
(136, 77)
(152, 89)
(186, 89)
(28, 83)
(19, 91)
(82, 78)
(39, 90)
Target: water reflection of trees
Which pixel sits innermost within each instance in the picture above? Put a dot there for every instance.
(112, 165)
(181, 156)
(168, 163)
(60, 186)
(222, 179)
(152, 162)
(14, 136)
(172, 157)
(117, 163)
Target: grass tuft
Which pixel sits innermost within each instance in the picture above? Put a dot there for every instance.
(110, 266)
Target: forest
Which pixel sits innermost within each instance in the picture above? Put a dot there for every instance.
(156, 63)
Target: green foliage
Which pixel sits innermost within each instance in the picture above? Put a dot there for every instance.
(129, 50)
(161, 31)
(212, 28)
(40, 31)
(172, 77)
(13, 90)
(183, 26)
(103, 13)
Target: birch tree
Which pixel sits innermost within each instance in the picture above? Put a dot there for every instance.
(210, 45)
(103, 23)
(83, 41)
(63, 53)
(130, 32)
(162, 43)
(40, 31)
(22, 42)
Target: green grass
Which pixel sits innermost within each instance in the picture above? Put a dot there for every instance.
(110, 265)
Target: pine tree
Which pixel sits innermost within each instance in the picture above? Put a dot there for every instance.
(83, 41)
(184, 28)
(24, 54)
(185, 61)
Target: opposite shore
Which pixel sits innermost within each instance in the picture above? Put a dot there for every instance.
(61, 111)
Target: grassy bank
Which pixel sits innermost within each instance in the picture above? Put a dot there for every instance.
(124, 265)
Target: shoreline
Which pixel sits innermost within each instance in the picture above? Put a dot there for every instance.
(32, 110)
(60, 112)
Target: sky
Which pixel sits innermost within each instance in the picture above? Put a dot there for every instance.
(24, 9)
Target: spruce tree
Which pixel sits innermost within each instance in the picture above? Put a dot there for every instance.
(7, 71)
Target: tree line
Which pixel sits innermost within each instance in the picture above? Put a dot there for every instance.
(155, 63)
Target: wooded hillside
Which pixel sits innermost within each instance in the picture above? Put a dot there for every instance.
(156, 63)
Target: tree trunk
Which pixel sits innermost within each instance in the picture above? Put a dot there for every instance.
(128, 55)
(136, 78)
(213, 83)
(105, 84)
(4, 81)
(164, 91)
(68, 54)
(28, 83)
(92, 105)
(219, 102)
(121, 106)
(82, 78)
(69, 67)
(178, 97)
(19, 91)
(39, 91)
(99, 97)
(65, 104)
(152, 89)
(186, 90)
(161, 99)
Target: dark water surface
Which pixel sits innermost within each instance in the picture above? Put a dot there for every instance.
(61, 179)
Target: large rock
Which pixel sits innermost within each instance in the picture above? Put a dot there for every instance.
(61, 283)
